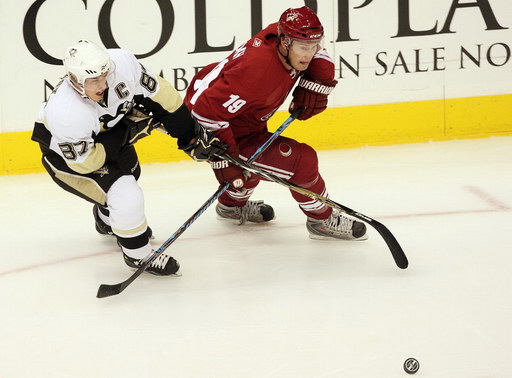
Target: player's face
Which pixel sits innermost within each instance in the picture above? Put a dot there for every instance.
(95, 87)
(301, 53)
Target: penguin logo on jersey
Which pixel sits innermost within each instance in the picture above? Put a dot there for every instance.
(127, 106)
(102, 171)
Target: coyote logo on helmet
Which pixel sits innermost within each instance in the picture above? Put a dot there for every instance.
(292, 16)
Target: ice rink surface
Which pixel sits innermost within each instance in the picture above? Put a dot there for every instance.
(265, 301)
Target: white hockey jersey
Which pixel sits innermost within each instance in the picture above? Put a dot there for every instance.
(74, 121)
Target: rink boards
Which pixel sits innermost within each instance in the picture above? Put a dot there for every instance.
(342, 127)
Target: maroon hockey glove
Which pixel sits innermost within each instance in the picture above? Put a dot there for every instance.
(226, 172)
(311, 95)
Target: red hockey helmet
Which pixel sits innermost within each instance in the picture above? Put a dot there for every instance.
(300, 23)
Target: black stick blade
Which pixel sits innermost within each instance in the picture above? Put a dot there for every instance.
(397, 253)
(108, 290)
(395, 248)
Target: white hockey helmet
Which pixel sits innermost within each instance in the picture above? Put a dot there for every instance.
(85, 60)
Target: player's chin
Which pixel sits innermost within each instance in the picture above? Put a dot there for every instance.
(303, 65)
(97, 96)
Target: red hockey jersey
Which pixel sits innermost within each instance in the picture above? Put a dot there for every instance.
(236, 97)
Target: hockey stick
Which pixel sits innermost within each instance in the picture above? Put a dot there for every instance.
(395, 248)
(106, 290)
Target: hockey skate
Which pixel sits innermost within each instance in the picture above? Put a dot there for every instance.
(163, 265)
(337, 226)
(252, 211)
(101, 227)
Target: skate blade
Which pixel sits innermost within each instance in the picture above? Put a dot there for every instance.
(323, 237)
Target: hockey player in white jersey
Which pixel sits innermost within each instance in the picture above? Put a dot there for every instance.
(86, 130)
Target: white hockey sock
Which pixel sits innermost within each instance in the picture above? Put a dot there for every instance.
(138, 253)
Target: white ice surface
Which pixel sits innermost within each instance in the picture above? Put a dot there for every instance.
(264, 301)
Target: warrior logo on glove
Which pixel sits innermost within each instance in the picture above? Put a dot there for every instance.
(230, 173)
(311, 95)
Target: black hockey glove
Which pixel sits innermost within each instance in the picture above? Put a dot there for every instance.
(205, 145)
(128, 131)
(139, 125)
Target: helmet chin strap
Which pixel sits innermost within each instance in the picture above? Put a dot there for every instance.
(285, 57)
(76, 87)
(81, 90)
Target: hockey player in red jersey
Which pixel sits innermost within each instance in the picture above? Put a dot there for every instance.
(235, 97)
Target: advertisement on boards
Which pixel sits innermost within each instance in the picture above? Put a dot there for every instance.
(385, 51)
